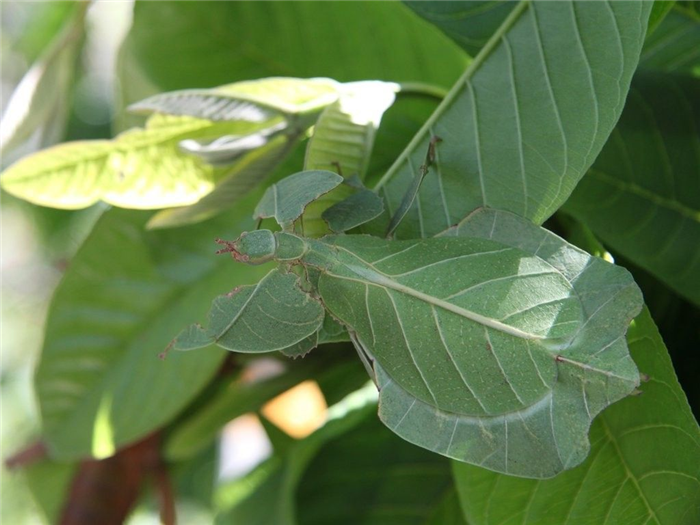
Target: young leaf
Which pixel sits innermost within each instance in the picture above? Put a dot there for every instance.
(521, 127)
(141, 168)
(353, 211)
(642, 195)
(343, 140)
(250, 101)
(286, 200)
(644, 465)
(237, 181)
(272, 315)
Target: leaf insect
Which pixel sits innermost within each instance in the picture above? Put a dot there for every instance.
(483, 349)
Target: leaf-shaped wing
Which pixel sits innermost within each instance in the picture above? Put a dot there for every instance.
(274, 314)
(496, 352)
(286, 200)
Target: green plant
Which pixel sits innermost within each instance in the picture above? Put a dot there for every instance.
(518, 357)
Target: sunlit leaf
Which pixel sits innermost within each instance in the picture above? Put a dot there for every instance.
(141, 168)
(251, 101)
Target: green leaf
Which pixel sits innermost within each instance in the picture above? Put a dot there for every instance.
(272, 315)
(343, 140)
(252, 101)
(141, 168)
(286, 200)
(99, 382)
(528, 116)
(642, 195)
(355, 210)
(658, 13)
(644, 465)
(39, 102)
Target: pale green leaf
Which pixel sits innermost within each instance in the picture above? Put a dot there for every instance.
(644, 465)
(250, 101)
(237, 180)
(141, 168)
(642, 195)
(271, 315)
(343, 140)
(527, 118)
(286, 200)
(99, 382)
(353, 211)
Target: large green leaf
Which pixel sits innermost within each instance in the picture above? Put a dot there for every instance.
(229, 41)
(527, 118)
(644, 466)
(674, 46)
(125, 295)
(642, 195)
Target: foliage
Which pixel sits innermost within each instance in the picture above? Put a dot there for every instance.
(454, 165)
